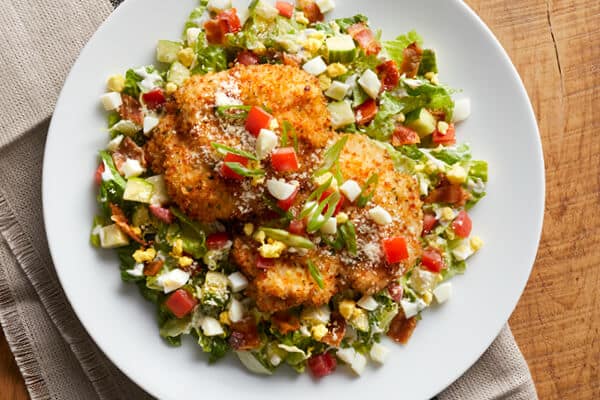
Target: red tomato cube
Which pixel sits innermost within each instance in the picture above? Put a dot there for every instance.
(462, 225)
(286, 204)
(395, 249)
(227, 172)
(322, 364)
(429, 222)
(257, 119)
(432, 260)
(285, 159)
(297, 227)
(339, 204)
(154, 99)
(181, 303)
(217, 240)
(285, 9)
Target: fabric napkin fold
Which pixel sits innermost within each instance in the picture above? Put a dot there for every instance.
(57, 358)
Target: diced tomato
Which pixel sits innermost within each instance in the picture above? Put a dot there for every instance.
(257, 119)
(403, 135)
(447, 139)
(163, 214)
(311, 11)
(411, 60)
(264, 263)
(154, 99)
(285, 159)
(247, 57)
(297, 227)
(214, 34)
(432, 260)
(339, 204)
(365, 38)
(366, 112)
(227, 172)
(429, 222)
(217, 240)
(388, 74)
(229, 22)
(181, 303)
(396, 291)
(322, 364)
(289, 202)
(131, 110)
(285, 9)
(395, 249)
(98, 174)
(462, 225)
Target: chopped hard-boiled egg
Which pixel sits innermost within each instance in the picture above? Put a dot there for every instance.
(325, 5)
(173, 280)
(137, 270)
(379, 353)
(342, 218)
(322, 179)
(265, 10)
(211, 327)
(150, 123)
(265, 143)
(218, 5)
(336, 69)
(370, 83)
(113, 145)
(237, 281)
(185, 261)
(192, 36)
(346, 308)
(316, 66)
(368, 303)
(116, 83)
(280, 189)
(412, 308)
(316, 315)
(132, 168)
(330, 226)
(457, 174)
(272, 250)
(111, 100)
(355, 360)
(186, 56)
(337, 90)
(443, 292)
(351, 189)
(380, 216)
(462, 109)
(319, 331)
(463, 251)
(360, 320)
(476, 243)
(236, 310)
(141, 256)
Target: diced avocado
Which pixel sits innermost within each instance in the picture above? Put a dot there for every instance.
(428, 62)
(159, 195)
(341, 114)
(166, 51)
(138, 189)
(111, 236)
(140, 216)
(341, 48)
(421, 121)
(178, 73)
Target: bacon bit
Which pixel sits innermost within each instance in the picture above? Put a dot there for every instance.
(389, 74)
(244, 335)
(438, 114)
(128, 149)
(411, 61)
(131, 109)
(291, 59)
(229, 21)
(98, 174)
(366, 112)
(311, 10)
(153, 267)
(285, 322)
(401, 329)
(163, 214)
(119, 218)
(365, 38)
(337, 330)
(449, 193)
(247, 57)
(214, 34)
(403, 135)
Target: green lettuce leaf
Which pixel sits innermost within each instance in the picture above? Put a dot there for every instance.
(395, 48)
(193, 20)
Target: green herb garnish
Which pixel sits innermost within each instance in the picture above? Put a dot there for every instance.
(239, 169)
(289, 239)
(241, 111)
(366, 196)
(348, 233)
(317, 220)
(331, 156)
(223, 149)
(315, 273)
(315, 196)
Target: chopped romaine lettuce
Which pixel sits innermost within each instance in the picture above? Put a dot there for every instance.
(395, 48)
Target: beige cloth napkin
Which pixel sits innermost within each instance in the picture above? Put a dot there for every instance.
(58, 360)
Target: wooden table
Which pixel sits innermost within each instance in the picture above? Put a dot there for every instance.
(556, 48)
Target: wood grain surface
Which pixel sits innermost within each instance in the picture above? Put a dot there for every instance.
(555, 46)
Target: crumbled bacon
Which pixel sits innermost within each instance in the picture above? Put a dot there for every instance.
(365, 38)
(285, 322)
(411, 61)
(337, 330)
(128, 149)
(131, 110)
(403, 135)
(388, 74)
(119, 218)
(291, 59)
(401, 328)
(449, 193)
(244, 335)
(153, 267)
(311, 10)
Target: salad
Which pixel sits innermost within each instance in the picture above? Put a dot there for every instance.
(287, 188)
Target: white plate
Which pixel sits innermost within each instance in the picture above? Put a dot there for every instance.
(446, 342)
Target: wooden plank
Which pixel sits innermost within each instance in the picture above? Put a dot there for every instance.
(12, 386)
